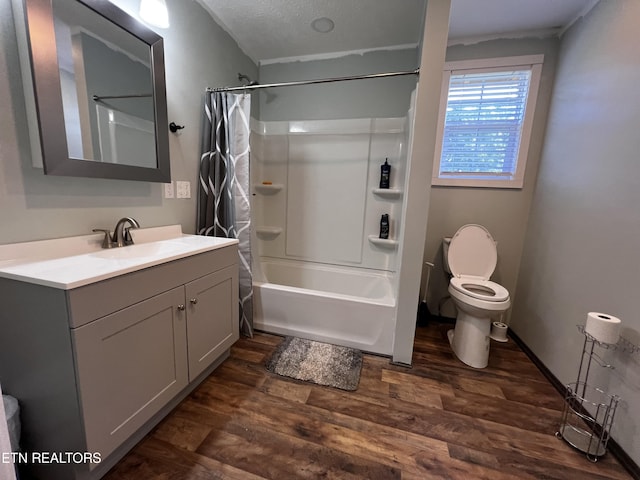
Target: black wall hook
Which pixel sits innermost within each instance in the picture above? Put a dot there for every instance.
(174, 128)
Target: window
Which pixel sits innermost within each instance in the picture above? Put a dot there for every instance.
(486, 113)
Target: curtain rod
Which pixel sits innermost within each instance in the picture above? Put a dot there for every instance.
(310, 82)
(97, 98)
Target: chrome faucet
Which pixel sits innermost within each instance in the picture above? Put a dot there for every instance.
(121, 236)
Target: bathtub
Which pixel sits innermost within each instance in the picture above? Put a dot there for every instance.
(346, 306)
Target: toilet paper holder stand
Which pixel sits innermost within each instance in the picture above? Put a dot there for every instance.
(589, 411)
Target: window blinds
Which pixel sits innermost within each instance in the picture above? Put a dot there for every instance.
(483, 122)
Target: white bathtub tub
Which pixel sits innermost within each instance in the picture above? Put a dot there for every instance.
(340, 305)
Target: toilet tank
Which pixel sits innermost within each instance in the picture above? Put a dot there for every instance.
(446, 241)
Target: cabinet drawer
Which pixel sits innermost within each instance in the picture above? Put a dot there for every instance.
(129, 365)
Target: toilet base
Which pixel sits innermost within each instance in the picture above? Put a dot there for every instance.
(470, 339)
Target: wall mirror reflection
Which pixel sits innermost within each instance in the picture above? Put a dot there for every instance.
(100, 96)
(109, 117)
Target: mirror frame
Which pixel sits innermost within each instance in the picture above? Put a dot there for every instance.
(48, 96)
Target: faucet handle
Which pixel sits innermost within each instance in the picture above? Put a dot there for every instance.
(106, 242)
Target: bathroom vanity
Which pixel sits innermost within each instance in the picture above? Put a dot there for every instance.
(98, 346)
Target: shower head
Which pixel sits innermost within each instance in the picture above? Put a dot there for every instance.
(245, 78)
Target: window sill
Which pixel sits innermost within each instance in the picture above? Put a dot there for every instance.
(495, 182)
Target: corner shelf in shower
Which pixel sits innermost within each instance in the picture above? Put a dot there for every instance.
(268, 189)
(388, 192)
(383, 242)
(268, 233)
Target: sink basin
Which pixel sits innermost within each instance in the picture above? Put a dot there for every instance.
(137, 251)
(76, 261)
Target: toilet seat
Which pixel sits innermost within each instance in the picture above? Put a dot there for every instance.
(472, 259)
(472, 252)
(481, 289)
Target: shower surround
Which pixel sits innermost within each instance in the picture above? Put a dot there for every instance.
(320, 270)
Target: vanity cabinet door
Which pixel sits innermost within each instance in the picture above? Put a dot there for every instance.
(129, 365)
(212, 317)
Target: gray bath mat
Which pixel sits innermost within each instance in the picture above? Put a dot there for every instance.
(317, 362)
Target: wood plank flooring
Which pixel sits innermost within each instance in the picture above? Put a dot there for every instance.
(437, 420)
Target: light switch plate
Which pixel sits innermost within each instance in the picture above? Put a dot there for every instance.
(168, 190)
(183, 189)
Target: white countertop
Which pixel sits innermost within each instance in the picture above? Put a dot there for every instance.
(76, 261)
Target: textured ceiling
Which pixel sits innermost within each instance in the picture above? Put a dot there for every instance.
(276, 29)
(479, 18)
(282, 28)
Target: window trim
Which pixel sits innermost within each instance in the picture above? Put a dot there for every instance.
(532, 62)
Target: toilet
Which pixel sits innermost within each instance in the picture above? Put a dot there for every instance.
(471, 256)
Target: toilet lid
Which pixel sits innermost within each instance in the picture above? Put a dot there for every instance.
(472, 252)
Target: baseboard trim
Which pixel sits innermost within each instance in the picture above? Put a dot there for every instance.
(625, 460)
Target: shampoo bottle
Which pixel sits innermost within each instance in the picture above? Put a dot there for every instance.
(384, 226)
(385, 174)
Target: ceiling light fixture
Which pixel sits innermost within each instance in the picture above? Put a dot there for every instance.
(323, 25)
(155, 13)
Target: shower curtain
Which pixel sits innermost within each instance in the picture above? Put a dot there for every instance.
(223, 192)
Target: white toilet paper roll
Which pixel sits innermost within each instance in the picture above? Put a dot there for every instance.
(603, 327)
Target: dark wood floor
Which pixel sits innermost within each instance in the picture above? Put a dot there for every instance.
(439, 419)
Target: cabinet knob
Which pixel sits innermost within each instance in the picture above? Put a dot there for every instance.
(193, 301)
(181, 307)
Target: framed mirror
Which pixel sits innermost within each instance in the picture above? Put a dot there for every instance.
(99, 91)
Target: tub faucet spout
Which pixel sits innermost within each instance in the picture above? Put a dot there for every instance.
(122, 234)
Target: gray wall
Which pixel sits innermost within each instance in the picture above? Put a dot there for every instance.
(503, 212)
(382, 97)
(198, 54)
(581, 251)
